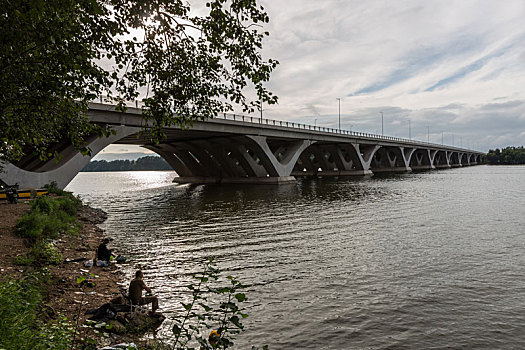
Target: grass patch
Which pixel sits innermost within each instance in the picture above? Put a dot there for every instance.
(20, 324)
(40, 254)
(49, 217)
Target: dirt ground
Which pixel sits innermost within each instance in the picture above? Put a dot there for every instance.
(65, 294)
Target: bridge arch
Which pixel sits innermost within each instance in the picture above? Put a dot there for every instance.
(455, 159)
(391, 159)
(32, 173)
(442, 159)
(335, 159)
(422, 159)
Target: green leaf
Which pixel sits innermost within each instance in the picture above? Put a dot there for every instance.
(240, 297)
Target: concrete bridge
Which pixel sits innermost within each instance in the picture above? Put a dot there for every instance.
(238, 149)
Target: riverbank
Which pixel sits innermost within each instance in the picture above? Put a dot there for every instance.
(62, 295)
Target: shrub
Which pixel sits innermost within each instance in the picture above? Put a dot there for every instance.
(20, 325)
(49, 217)
(45, 253)
(70, 205)
(53, 188)
(30, 225)
(40, 254)
(45, 204)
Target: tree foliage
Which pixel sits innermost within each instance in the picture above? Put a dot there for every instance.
(186, 63)
(507, 156)
(143, 163)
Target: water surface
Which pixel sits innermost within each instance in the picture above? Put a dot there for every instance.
(416, 261)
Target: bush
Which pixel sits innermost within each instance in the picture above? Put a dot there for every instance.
(49, 217)
(20, 325)
(30, 225)
(45, 253)
(53, 188)
(45, 204)
(40, 254)
(70, 205)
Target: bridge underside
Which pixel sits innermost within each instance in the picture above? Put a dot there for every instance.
(272, 160)
(233, 152)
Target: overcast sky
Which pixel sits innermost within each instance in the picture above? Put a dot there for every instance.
(456, 67)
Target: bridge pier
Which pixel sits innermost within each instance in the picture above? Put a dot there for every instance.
(391, 160)
(63, 171)
(252, 159)
(270, 180)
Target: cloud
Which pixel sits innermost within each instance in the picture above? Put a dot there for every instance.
(449, 67)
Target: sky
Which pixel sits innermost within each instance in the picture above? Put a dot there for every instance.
(449, 71)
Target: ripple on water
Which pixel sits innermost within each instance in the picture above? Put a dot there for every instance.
(418, 261)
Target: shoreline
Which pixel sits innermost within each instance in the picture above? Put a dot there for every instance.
(64, 296)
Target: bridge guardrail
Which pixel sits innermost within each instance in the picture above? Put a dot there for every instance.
(294, 125)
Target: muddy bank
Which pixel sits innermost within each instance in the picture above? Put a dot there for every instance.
(65, 296)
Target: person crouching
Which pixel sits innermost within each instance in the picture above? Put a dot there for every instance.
(104, 254)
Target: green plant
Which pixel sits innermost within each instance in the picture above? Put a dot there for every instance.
(45, 204)
(53, 188)
(205, 311)
(20, 324)
(45, 253)
(30, 225)
(49, 217)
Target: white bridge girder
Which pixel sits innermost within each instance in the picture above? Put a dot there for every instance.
(225, 151)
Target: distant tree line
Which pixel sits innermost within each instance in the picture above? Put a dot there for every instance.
(507, 156)
(143, 163)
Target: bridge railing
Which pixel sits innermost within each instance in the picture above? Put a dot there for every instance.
(293, 125)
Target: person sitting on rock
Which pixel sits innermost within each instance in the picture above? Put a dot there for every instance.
(103, 253)
(136, 287)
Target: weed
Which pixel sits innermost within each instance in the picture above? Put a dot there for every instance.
(20, 325)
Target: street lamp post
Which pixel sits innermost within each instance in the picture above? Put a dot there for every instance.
(261, 105)
(339, 100)
(428, 134)
(442, 133)
(382, 130)
(409, 131)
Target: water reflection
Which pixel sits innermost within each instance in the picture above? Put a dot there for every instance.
(408, 261)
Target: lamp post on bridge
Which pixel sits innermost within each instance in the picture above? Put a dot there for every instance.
(339, 100)
(261, 107)
(382, 130)
(409, 131)
(428, 134)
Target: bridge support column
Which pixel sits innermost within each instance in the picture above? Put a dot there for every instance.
(442, 160)
(249, 160)
(423, 159)
(392, 160)
(455, 159)
(64, 171)
(343, 159)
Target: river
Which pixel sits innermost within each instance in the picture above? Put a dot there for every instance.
(428, 260)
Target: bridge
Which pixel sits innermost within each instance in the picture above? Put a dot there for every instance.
(238, 149)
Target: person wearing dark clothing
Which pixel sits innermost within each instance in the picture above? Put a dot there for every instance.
(136, 287)
(103, 253)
